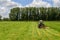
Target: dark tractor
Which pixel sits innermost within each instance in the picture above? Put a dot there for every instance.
(41, 24)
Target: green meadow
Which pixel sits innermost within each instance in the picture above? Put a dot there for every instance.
(28, 30)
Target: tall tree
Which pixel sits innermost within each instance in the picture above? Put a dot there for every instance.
(15, 13)
(33, 13)
(0, 17)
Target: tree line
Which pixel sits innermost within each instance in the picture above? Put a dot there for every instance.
(34, 14)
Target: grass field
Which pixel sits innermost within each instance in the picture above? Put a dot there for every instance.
(29, 31)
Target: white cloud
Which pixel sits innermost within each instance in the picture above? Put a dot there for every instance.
(9, 3)
(39, 3)
(56, 3)
(6, 5)
(2, 10)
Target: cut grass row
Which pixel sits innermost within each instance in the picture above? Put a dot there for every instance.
(28, 31)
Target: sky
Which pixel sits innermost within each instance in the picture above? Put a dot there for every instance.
(6, 5)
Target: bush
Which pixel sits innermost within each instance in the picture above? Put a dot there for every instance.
(6, 19)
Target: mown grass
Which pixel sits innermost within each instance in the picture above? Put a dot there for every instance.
(28, 30)
(53, 24)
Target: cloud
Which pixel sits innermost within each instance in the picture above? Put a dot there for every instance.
(6, 5)
(2, 9)
(56, 3)
(39, 3)
(4, 12)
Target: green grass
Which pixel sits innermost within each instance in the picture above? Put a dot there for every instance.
(29, 30)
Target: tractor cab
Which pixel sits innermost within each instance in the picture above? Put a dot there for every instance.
(41, 24)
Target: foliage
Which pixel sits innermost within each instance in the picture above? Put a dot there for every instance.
(0, 17)
(14, 14)
(6, 19)
(33, 13)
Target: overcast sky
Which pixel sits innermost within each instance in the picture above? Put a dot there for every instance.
(6, 5)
